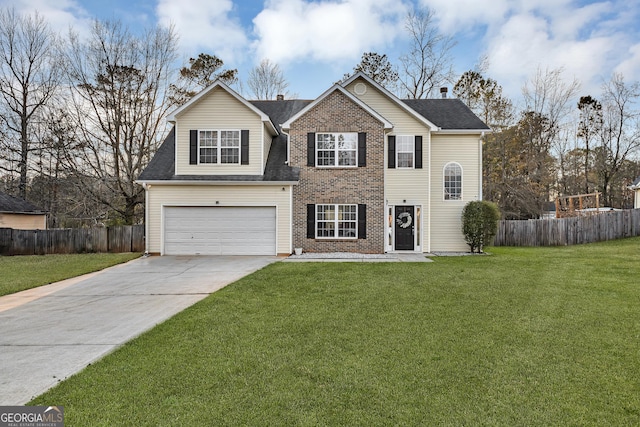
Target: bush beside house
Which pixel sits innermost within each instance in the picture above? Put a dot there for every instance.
(479, 223)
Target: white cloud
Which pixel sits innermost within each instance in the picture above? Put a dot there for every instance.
(293, 30)
(630, 67)
(458, 16)
(59, 14)
(587, 40)
(205, 26)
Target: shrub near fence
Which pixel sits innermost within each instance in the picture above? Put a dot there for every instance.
(569, 231)
(125, 238)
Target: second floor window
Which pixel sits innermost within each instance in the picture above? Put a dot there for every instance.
(337, 149)
(404, 151)
(453, 181)
(219, 146)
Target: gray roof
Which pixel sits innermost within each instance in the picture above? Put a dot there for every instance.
(16, 205)
(636, 182)
(448, 114)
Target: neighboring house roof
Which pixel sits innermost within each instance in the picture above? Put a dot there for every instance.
(635, 185)
(10, 204)
(447, 114)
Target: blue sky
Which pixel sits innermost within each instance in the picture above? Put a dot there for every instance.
(316, 42)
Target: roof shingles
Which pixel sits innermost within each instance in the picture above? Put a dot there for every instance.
(10, 204)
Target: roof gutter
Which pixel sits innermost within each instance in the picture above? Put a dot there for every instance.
(149, 184)
(462, 131)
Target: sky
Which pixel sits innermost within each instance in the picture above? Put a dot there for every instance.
(316, 42)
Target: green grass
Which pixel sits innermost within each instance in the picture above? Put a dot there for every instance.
(527, 336)
(18, 273)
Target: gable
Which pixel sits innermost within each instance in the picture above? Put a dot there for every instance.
(218, 111)
(346, 100)
(404, 120)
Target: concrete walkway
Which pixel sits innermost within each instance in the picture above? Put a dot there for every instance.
(54, 331)
(355, 257)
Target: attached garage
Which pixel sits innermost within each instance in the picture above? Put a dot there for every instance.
(217, 230)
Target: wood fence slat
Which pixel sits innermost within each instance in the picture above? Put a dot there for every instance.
(569, 231)
(128, 238)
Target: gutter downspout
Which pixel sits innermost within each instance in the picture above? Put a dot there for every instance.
(480, 195)
(146, 217)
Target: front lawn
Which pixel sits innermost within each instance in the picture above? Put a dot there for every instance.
(527, 336)
(18, 273)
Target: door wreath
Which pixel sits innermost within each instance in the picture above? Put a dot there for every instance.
(404, 220)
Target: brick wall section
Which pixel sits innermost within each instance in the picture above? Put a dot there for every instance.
(337, 113)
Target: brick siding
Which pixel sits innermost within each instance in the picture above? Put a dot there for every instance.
(361, 185)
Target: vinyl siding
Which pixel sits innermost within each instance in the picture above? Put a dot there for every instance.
(445, 218)
(411, 185)
(219, 110)
(207, 195)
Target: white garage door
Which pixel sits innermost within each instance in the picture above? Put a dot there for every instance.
(219, 230)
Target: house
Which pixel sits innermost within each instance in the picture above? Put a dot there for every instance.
(20, 214)
(354, 170)
(635, 187)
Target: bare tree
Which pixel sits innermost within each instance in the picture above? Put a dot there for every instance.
(428, 64)
(266, 81)
(620, 131)
(30, 74)
(548, 94)
(119, 103)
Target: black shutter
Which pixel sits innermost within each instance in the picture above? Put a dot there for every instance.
(391, 152)
(311, 221)
(362, 221)
(244, 147)
(193, 147)
(311, 149)
(362, 149)
(418, 152)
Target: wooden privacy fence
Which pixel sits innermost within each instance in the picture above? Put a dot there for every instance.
(124, 238)
(569, 231)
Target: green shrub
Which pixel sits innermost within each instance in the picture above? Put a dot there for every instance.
(479, 223)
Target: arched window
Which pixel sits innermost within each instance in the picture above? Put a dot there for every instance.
(453, 181)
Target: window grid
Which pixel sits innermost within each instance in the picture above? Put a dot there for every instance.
(229, 146)
(219, 146)
(453, 182)
(405, 146)
(336, 149)
(337, 221)
(208, 146)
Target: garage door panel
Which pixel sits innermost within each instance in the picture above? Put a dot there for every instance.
(220, 230)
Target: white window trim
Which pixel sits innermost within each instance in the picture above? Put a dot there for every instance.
(336, 150)
(444, 191)
(413, 152)
(336, 221)
(219, 146)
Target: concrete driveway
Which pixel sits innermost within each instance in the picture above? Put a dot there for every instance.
(52, 332)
